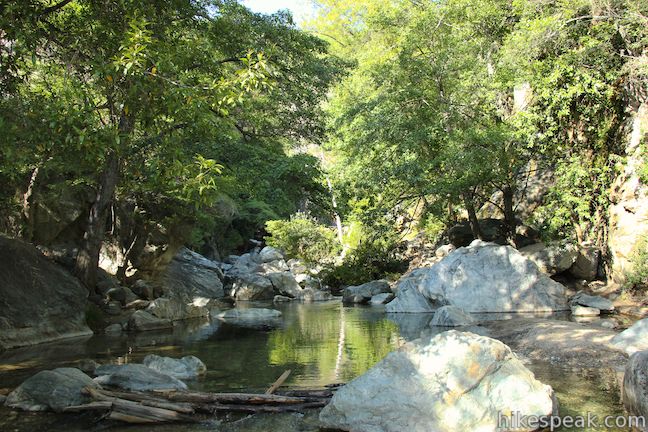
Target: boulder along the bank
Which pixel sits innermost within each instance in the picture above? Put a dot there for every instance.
(39, 301)
(483, 277)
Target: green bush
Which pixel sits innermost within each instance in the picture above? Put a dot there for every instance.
(638, 277)
(304, 238)
(367, 262)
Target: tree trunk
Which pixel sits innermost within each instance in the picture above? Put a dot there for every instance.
(28, 206)
(87, 261)
(472, 217)
(509, 214)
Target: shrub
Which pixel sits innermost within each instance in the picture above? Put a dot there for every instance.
(638, 277)
(304, 238)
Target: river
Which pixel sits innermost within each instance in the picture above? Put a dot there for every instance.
(321, 344)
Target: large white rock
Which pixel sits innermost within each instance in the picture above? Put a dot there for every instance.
(633, 339)
(269, 254)
(635, 386)
(598, 302)
(456, 381)
(483, 277)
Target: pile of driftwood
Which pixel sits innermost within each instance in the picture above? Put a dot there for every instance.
(185, 406)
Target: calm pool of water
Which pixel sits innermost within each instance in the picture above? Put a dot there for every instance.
(321, 343)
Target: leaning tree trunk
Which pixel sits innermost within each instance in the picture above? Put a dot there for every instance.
(472, 217)
(87, 262)
(509, 214)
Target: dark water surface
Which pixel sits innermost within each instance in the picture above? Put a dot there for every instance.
(321, 343)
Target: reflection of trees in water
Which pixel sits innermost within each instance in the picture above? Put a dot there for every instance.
(334, 345)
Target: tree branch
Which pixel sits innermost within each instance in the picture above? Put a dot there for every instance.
(54, 8)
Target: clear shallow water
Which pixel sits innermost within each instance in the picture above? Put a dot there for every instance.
(321, 343)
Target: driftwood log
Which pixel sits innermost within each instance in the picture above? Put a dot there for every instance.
(164, 406)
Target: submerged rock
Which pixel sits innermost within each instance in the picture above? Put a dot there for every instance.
(51, 390)
(136, 377)
(185, 368)
(309, 295)
(39, 301)
(252, 317)
(483, 277)
(456, 381)
(451, 316)
(633, 339)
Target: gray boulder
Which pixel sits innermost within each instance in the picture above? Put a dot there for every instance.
(176, 310)
(187, 367)
(144, 321)
(190, 275)
(269, 254)
(635, 386)
(281, 299)
(578, 310)
(598, 302)
(136, 377)
(284, 283)
(633, 339)
(381, 298)
(113, 329)
(252, 286)
(309, 295)
(39, 301)
(456, 381)
(551, 259)
(586, 264)
(451, 316)
(51, 390)
(363, 293)
(483, 277)
(253, 317)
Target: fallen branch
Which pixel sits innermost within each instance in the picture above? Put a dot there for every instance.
(284, 376)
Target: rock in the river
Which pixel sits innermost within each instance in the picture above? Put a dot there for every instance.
(51, 390)
(187, 367)
(251, 313)
(363, 293)
(578, 310)
(113, 329)
(252, 286)
(39, 301)
(269, 254)
(598, 302)
(174, 309)
(551, 259)
(633, 339)
(635, 386)
(309, 295)
(483, 277)
(136, 377)
(144, 321)
(451, 316)
(586, 264)
(457, 381)
(190, 275)
(281, 299)
(284, 283)
(381, 298)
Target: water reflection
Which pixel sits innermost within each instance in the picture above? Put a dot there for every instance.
(320, 343)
